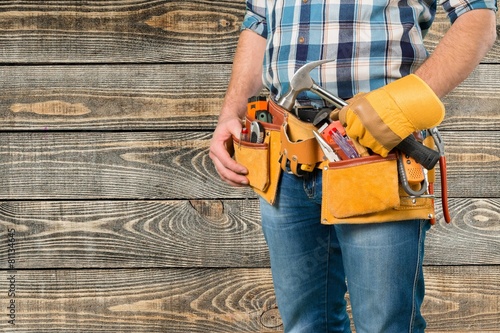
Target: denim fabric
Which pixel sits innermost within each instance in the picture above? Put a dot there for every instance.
(313, 265)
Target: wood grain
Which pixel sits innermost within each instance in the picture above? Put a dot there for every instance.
(446, 308)
(472, 237)
(119, 220)
(134, 234)
(173, 97)
(120, 31)
(459, 299)
(472, 158)
(121, 97)
(135, 31)
(147, 165)
(199, 233)
(474, 104)
(138, 300)
(174, 165)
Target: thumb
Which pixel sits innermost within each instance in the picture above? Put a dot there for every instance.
(334, 115)
(362, 150)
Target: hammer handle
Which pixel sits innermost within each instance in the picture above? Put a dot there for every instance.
(424, 155)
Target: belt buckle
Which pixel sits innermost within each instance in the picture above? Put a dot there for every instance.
(298, 108)
(305, 112)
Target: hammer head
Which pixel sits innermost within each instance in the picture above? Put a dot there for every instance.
(299, 82)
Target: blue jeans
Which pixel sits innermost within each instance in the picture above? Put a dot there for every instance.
(313, 265)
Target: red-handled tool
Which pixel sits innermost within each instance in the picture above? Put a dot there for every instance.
(438, 141)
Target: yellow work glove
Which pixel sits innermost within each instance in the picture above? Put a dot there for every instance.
(382, 118)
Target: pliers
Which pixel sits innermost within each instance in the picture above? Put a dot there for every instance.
(330, 154)
(438, 141)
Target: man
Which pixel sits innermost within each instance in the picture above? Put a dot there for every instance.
(374, 43)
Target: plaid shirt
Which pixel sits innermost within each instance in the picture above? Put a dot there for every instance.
(372, 42)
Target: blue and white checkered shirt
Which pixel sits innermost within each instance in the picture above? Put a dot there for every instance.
(372, 42)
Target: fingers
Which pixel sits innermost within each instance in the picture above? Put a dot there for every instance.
(228, 169)
(334, 115)
(362, 151)
(233, 175)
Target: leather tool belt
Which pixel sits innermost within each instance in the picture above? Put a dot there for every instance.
(358, 190)
(299, 149)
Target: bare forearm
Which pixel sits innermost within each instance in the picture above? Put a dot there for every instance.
(245, 82)
(246, 77)
(460, 51)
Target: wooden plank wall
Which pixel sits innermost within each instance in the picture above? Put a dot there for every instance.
(112, 218)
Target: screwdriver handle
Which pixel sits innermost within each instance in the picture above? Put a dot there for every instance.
(424, 155)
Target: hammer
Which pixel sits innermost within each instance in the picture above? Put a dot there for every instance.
(302, 80)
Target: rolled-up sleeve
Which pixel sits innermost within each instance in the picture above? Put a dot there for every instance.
(255, 17)
(455, 8)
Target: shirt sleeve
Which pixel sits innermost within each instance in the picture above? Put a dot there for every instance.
(255, 17)
(455, 8)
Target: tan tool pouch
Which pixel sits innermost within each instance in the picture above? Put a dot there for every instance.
(288, 143)
(261, 160)
(366, 190)
(359, 190)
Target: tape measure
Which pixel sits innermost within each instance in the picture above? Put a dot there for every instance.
(257, 132)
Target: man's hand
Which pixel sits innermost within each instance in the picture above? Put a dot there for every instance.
(246, 81)
(455, 57)
(384, 117)
(220, 147)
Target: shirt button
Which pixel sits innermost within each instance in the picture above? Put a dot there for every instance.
(301, 40)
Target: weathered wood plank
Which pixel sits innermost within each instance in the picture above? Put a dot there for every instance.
(471, 162)
(120, 31)
(172, 165)
(135, 31)
(137, 165)
(472, 237)
(111, 97)
(202, 233)
(130, 234)
(140, 97)
(474, 104)
(459, 299)
(153, 300)
(464, 299)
